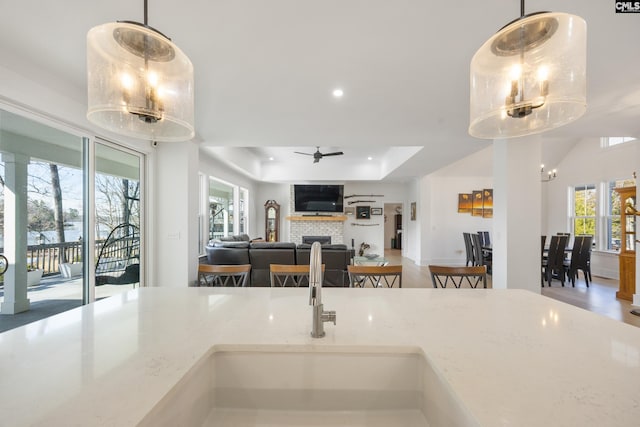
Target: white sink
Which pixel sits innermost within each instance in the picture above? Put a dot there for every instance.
(276, 386)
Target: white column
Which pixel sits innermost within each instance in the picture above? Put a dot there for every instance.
(15, 234)
(176, 214)
(516, 214)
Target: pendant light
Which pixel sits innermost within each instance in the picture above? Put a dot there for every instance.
(140, 84)
(530, 76)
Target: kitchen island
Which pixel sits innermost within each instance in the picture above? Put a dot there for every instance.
(510, 357)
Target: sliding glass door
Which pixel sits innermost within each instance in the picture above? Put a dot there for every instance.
(49, 227)
(117, 219)
(41, 210)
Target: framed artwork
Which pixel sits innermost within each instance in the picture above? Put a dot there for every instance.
(413, 211)
(476, 206)
(487, 203)
(376, 211)
(464, 202)
(363, 212)
(350, 210)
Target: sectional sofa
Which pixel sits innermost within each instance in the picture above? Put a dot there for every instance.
(261, 255)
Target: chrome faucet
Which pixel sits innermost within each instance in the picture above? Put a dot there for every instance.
(315, 293)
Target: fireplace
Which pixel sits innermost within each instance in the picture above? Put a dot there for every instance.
(324, 240)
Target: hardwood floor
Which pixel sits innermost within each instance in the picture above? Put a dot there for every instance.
(599, 297)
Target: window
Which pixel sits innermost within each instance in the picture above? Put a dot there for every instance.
(610, 141)
(226, 209)
(612, 214)
(221, 207)
(243, 210)
(584, 210)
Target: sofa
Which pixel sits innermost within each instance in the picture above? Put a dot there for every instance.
(228, 253)
(261, 255)
(335, 258)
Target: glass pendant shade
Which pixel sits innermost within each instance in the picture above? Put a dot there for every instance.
(139, 83)
(529, 77)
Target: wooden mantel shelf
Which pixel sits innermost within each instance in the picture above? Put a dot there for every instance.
(317, 218)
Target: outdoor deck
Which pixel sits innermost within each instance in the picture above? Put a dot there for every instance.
(54, 295)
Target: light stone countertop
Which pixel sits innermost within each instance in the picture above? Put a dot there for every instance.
(514, 358)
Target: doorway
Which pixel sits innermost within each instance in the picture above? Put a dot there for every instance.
(393, 226)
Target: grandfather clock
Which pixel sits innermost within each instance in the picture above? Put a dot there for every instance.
(271, 221)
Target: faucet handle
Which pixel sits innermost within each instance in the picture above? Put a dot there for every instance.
(329, 316)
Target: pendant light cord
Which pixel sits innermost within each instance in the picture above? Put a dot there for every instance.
(146, 12)
(521, 7)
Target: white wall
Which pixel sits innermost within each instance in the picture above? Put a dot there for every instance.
(588, 163)
(443, 226)
(176, 215)
(411, 236)
(220, 169)
(389, 221)
(281, 194)
(373, 235)
(440, 225)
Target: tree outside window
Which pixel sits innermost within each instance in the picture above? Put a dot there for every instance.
(613, 213)
(584, 208)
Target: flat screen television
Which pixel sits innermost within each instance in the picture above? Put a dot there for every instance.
(318, 198)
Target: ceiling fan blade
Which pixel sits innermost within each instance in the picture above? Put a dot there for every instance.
(336, 153)
(306, 154)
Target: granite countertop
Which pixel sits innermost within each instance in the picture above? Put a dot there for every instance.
(514, 358)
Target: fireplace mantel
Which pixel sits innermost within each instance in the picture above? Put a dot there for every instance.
(341, 218)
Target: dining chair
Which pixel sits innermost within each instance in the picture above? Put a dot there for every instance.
(580, 259)
(290, 275)
(565, 234)
(553, 265)
(386, 276)
(458, 277)
(468, 246)
(481, 237)
(480, 257)
(543, 257)
(223, 275)
(485, 238)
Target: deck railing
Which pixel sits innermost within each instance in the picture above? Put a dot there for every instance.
(48, 256)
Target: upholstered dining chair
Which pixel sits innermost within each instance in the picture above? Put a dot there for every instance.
(458, 276)
(287, 275)
(223, 275)
(379, 276)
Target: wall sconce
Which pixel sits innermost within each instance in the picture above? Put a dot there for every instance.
(551, 175)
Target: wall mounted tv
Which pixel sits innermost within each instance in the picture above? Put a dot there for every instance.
(318, 198)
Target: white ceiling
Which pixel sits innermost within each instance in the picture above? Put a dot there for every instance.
(265, 70)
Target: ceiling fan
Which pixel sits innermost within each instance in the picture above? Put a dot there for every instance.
(318, 155)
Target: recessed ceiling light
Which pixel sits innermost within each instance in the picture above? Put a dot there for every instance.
(369, 158)
(271, 158)
(337, 93)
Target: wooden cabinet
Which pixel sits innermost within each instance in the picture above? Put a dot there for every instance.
(628, 215)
